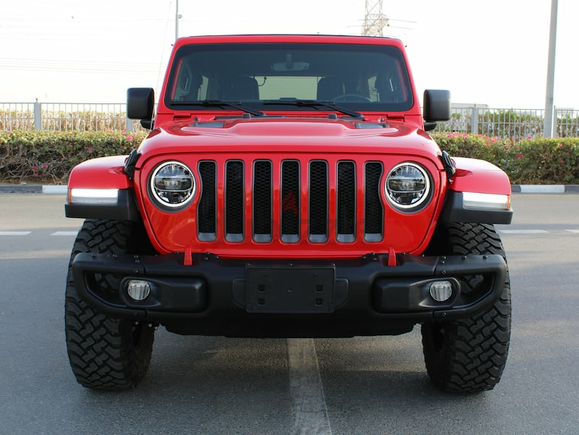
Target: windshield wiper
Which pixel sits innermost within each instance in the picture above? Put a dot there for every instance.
(315, 103)
(218, 103)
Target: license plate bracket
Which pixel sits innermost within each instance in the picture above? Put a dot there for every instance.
(290, 289)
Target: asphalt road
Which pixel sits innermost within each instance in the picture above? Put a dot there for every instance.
(206, 385)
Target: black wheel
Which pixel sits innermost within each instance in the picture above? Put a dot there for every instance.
(105, 353)
(469, 355)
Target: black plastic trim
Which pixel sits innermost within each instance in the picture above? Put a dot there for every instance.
(131, 162)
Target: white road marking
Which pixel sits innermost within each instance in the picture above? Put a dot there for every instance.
(307, 393)
(524, 231)
(573, 231)
(35, 255)
(14, 233)
(65, 233)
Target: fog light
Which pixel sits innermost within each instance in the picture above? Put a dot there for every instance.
(138, 290)
(441, 291)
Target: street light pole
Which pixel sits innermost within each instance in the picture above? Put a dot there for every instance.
(550, 98)
(177, 16)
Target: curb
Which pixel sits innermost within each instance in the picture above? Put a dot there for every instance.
(541, 188)
(62, 189)
(33, 188)
(55, 190)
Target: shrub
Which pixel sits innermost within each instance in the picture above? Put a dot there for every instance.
(536, 161)
(43, 156)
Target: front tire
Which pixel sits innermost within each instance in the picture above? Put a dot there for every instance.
(105, 353)
(469, 355)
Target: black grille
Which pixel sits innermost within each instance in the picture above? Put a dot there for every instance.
(234, 204)
(262, 192)
(297, 220)
(373, 212)
(290, 201)
(206, 217)
(346, 216)
(318, 201)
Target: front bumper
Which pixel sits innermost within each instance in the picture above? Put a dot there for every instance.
(365, 293)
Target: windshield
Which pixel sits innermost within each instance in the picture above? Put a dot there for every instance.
(356, 77)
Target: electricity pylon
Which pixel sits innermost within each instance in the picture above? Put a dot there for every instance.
(374, 19)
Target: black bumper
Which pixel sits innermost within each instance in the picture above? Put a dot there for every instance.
(366, 293)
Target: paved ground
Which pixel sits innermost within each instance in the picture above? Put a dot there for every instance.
(343, 386)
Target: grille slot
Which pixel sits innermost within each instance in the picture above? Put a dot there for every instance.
(206, 216)
(290, 201)
(346, 192)
(234, 203)
(262, 201)
(373, 210)
(318, 210)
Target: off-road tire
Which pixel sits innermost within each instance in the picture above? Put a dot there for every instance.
(105, 353)
(469, 355)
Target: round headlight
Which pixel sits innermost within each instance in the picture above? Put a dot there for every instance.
(172, 184)
(407, 186)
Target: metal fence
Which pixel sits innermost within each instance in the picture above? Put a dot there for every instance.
(510, 123)
(505, 123)
(66, 117)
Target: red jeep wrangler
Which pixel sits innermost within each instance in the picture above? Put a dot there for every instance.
(288, 188)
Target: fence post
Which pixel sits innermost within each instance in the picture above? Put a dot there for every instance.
(549, 121)
(474, 126)
(129, 125)
(37, 115)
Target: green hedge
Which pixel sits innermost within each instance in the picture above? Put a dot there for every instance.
(527, 161)
(43, 156)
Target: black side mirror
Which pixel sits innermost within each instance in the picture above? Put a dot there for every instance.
(428, 126)
(140, 103)
(436, 105)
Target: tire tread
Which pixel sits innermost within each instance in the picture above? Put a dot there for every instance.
(473, 353)
(101, 350)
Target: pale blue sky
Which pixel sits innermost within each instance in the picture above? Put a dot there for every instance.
(485, 51)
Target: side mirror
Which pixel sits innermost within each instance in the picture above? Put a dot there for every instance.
(140, 103)
(436, 105)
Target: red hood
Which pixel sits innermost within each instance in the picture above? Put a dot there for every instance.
(289, 135)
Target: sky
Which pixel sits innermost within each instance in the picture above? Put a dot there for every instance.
(491, 52)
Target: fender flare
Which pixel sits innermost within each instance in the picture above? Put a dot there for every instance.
(100, 189)
(478, 192)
